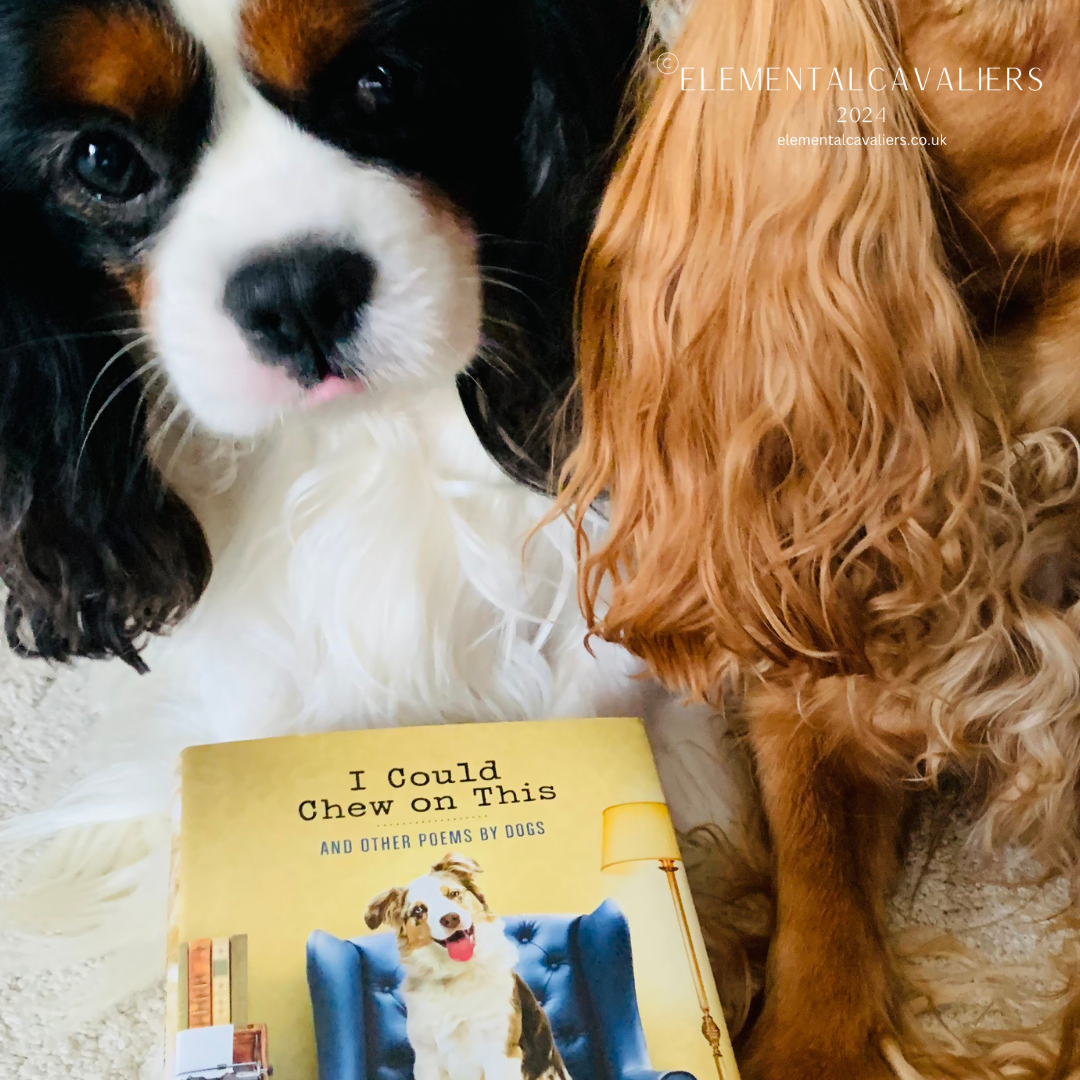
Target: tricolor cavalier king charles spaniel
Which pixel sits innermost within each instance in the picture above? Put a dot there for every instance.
(252, 208)
(285, 282)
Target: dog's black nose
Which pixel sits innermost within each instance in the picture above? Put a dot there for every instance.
(298, 306)
(450, 922)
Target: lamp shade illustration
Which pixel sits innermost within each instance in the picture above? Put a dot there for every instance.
(642, 832)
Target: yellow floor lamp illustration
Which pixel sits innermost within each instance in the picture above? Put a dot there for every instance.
(643, 833)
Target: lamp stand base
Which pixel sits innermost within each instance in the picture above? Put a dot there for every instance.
(709, 1027)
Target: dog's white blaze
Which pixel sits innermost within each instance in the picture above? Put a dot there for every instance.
(216, 24)
(428, 891)
(263, 183)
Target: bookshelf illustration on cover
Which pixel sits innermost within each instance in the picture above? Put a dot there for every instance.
(502, 900)
(214, 1041)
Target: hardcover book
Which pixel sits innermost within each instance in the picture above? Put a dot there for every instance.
(475, 902)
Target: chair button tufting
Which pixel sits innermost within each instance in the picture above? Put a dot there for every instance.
(553, 963)
(400, 1056)
(525, 934)
(388, 988)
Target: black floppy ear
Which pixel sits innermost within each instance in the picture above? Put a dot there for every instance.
(94, 550)
(583, 55)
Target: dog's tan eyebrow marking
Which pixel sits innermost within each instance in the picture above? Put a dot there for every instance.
(132, 277)
(285, 43)
(121, 58)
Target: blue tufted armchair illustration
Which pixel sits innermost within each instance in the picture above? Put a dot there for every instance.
(578, 966)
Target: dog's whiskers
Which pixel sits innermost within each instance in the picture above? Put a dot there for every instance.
(181, 445)
(157, 440)
(144, 398)
(137, 373)
(55, 339)
(119, 354)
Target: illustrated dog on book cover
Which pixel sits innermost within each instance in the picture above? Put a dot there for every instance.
(469, 1014)
(836, 474)
(287, 292)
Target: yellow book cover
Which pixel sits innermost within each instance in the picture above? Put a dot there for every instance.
(480, 902)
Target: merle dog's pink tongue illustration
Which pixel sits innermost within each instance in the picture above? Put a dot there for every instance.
(461, 946)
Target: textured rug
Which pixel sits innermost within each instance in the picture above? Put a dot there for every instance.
(985, 946)
(43, 715)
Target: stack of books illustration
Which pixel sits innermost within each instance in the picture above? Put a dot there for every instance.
(214, 1039)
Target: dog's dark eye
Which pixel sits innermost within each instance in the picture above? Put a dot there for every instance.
(109, 167)
(375, 89)
(418, 912)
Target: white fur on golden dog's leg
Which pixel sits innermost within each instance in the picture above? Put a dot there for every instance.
(704, 767)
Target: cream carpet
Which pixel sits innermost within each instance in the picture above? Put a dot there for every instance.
(43, 715)
(988, 975)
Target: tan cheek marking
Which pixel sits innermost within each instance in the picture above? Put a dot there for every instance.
(133, 279)
(287, 42)
(414, 937)
(441, 207)
(121, 59)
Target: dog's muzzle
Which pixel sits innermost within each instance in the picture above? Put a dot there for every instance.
(298, 307)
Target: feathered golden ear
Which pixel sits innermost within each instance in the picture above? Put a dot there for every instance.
(777, 378)
(387, 907)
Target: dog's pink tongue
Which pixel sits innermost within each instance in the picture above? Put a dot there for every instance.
(461, 948)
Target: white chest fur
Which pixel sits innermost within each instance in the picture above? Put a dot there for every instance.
(368, 572)
(461, 1028)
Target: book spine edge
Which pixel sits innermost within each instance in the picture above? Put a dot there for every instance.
(200, 984)
(238, 951)
(220, 977)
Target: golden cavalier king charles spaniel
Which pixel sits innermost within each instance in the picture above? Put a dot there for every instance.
(830, 388)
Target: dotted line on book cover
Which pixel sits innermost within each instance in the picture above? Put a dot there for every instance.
(443, 821)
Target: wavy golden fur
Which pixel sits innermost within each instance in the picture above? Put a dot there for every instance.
(824, 486)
